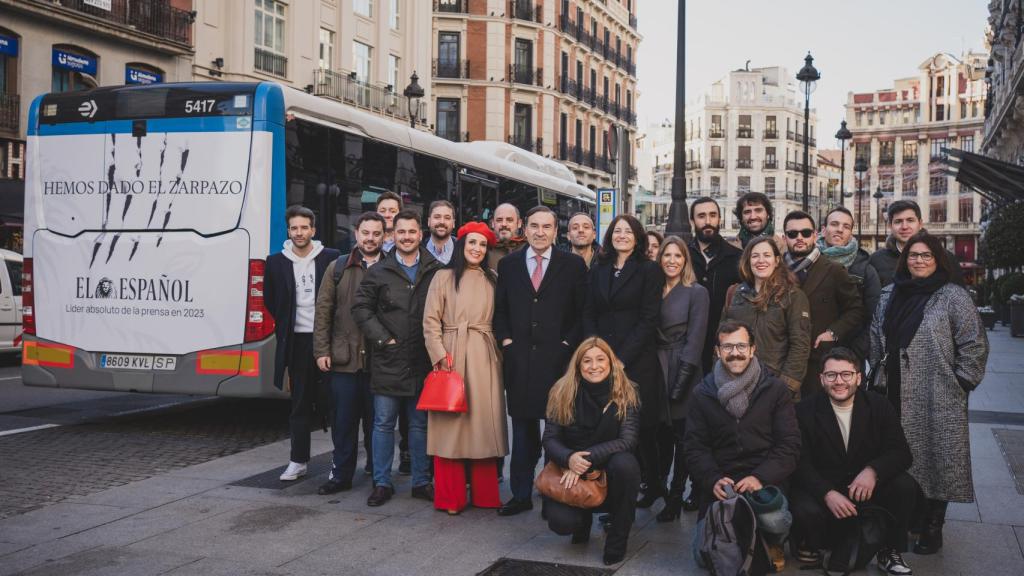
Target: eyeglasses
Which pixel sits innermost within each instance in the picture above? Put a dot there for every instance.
(806, 233)
(846, 375)
(741, 348)
(922, 256)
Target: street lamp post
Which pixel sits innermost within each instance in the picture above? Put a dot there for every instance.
(860, 167)
(842, 135)
(413, 93)
(878, 213)
(678, 224)
(808, 77)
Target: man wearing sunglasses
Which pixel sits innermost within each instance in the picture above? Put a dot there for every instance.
(853, 455)
(837, 311)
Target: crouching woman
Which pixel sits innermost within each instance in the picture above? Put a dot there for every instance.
(593, 424)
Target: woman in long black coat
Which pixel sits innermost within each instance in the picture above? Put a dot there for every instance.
(622, 306)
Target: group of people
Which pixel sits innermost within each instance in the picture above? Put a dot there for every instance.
(740, 364)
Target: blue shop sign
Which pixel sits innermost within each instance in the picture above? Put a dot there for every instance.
(74, 62)
(8, 45)
(139, 76)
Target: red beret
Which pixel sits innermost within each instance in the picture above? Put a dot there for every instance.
(480, 228)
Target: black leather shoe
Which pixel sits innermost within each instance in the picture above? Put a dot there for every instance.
(690, 505)
(333, 486)
(581, 536)
(380, 495)
(513, 507)
(404, 464)
(425, 492)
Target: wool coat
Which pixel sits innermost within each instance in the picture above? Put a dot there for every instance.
(681, 332)
(782, 332)
(544, 325)
(458, 323)
(835, 304)
(335, 332)
(717, 267)
(943, 363)
(624, 311)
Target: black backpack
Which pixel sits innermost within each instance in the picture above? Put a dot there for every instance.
(339, 267)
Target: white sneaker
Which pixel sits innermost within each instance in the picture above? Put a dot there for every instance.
(293, 471)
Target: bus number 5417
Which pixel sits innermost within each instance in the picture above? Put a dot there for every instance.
(199, 106)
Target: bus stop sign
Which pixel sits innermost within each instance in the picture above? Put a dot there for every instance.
(607, 209)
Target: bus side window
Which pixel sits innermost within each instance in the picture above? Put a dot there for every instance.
(522, 196)
(307, 168)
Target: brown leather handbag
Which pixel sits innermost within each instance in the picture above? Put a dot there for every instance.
(589, 492)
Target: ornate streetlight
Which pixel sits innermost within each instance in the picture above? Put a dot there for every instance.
(878, 212)
(678, 224)
(808, 77)
(413, 93)
(842, 135)
(860, 167)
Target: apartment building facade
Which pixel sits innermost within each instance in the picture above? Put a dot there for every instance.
(903, 133)
(746, 134)
(557, 78)
(360, 52)
(1004, 125)
(48, 46)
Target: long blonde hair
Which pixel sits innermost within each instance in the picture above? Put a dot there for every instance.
(562, 398)
(688, 277)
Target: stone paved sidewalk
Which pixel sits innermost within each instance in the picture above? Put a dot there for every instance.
(193, 521)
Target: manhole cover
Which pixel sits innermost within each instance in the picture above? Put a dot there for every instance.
(1011, 444)
(510, 567)
(271, 479)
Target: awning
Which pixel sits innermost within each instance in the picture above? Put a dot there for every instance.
(997, 181)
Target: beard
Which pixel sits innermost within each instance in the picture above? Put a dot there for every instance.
(441, 232)
(708, 232)
(802, 254)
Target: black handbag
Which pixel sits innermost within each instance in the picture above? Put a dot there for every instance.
(875, 378)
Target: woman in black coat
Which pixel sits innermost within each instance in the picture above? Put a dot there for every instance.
(622, 306)
(592, 423)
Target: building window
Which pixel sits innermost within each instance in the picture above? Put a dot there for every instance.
(770, 127)
(9, 45)
(270, 21)
(716, 185)
(864, 151)
(909, 152)
(448, 50)
(742, 184)
(886, 152)
(361, 60)
(394, 64)
(871, 118)
(73, 69)
(881, 117)
(937, 211)
(937, 185)
(363, 7)
(326, 49)
(910, 184)
(974, 109)
(967, 143)
(966, 210)
(769, 186)
(395, 14)
(448, 118)
(522, 126)
(860, 118)
(743, 159)
(940, 112)
(937, 149)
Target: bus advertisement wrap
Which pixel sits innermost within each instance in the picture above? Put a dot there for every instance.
(138, 246)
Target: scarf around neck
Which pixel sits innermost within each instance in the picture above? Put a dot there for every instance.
(734, 392)
(842, 255)
(798, 266)
(906, 307)
(746, 236)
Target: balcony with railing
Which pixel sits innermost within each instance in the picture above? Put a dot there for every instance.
(156, 17)
(519, 73)
(451, 6)
(456, 69)
(632, 21)
(693, 164)
(602, 102)
(716, 163)
(271, 63)
(744, 163)
(744, 132)
(574, 154)
(524, 10)
(716, 132)
(346, 88)
(526, 142)
(886, 160)
(770, 134)
(910, 159)
(771, 164)
(799, 167)
(629, 66)
(10, 112)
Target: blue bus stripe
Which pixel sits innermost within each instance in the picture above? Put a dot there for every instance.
(268, 113)
(204, 124)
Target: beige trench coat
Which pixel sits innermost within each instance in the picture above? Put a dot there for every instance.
(460, 325)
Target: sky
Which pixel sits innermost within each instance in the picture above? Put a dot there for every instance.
(858, 45)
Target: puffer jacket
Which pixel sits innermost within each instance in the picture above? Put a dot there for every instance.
(764, 443)
(782, 332)
(335, 332)
(388, 306)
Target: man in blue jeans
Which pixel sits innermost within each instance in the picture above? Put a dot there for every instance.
(339, 349)
(388, 308)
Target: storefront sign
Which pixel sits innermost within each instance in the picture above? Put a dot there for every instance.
(139, 76)
(8, 45)
(74, 62)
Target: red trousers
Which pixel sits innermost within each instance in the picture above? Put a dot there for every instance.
(450, 483)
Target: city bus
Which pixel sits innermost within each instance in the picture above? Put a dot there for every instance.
(150, 210)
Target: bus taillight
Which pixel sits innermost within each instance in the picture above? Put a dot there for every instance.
(28, 317)
(258, 322)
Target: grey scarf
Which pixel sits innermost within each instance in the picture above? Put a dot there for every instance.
(842, 255)
(798, 267)
(734, 391)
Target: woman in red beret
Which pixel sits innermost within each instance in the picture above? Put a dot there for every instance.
(457, 323)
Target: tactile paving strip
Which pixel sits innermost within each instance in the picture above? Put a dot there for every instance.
(510, 567)
(1011, 444)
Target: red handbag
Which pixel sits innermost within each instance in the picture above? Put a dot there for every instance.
(443, 391)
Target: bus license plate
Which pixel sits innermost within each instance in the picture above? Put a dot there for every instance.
(137, 362)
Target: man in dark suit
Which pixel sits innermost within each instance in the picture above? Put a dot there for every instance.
(538, 305)
(853, 454)
(716, 263)
(837, 311)
(291, 283)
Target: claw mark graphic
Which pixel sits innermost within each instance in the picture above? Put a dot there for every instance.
(96, 248)
(160, 182)
(135, 247)
(177, 180)
(112, 244)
